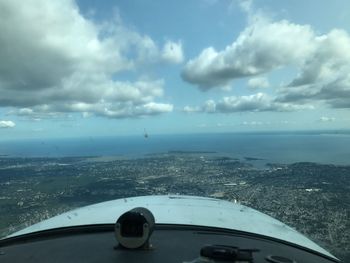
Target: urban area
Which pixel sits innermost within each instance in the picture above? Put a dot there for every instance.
(312, 198)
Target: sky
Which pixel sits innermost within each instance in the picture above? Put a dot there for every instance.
(103, 68)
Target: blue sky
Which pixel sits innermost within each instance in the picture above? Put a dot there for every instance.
(95, 68)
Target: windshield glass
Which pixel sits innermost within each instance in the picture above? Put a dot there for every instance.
(245, 101)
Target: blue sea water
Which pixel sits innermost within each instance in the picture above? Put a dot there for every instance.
(272, 147)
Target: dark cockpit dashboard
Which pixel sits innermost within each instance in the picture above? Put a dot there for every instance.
(168, 243)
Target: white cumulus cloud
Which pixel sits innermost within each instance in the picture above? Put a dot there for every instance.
(261, 47)
(259, 102)
(258, 82)
(325, 76)
(255, 102)
(189, 109)
(7, 124)
(326, 119)
(52, 59)
(172, 52)
(321, 60)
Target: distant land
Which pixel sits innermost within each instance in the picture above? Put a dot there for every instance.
(253, 159)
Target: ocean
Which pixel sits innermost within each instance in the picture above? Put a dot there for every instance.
(319, 147)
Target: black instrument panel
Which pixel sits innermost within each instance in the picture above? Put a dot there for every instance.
(169, 243)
